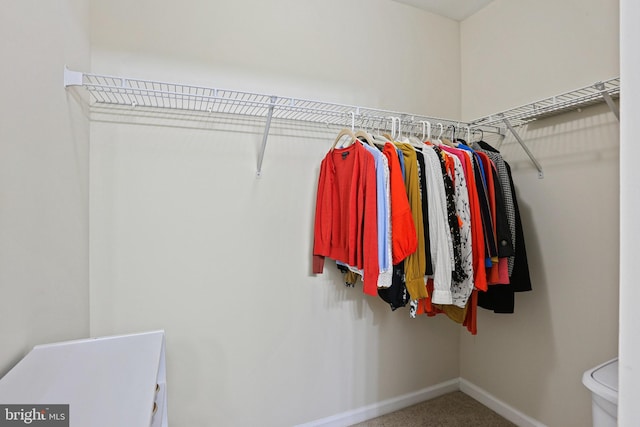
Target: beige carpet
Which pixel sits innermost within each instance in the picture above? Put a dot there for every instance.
(450, 410)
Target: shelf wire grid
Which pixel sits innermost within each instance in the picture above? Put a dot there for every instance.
(569, 101)
(109, 90)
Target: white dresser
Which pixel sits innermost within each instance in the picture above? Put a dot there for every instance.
(117, 381)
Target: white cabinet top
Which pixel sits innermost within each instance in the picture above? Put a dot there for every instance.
(107, 382)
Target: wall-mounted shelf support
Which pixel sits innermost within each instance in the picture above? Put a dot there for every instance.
(266, 134)
(608, 99)
(524, 147)
(72, 78)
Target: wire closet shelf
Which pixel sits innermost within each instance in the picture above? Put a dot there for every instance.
(137, 93)
(122, 92)
(569, 101)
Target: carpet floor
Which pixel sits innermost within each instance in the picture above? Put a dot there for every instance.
(450, 410)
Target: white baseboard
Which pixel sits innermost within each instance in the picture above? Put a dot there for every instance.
(497, 405)
(385, 407)
(368, 412)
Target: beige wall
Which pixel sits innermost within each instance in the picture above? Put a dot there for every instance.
(176, 209)
(516, 52)
(355, 51)
(513, 53)
(43, 177)
(185, 237)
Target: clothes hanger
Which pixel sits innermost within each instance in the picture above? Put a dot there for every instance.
(481, 134)
(426, 132)
(459, 140)
(438, 140)
(364, 133)
(361, 134)
(344, 132)
(448, 142)
(466, 141)
(406, 139)
(377, 136)
(393, 130)
(474, 143)
(364, 136)
(347, 132)
(417, 142)
(398, 134)
(389, 137)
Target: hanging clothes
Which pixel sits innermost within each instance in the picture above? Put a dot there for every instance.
(447, 170)
(503, 236)
(504, 180)
(384, 225)
(436, 227)
(462, 286)
(403, 235)
(404, 240)
(441, 242)
(346, 227)
(425, 213)
(501, 299)
(415, 263)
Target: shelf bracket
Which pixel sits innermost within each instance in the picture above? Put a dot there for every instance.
(72, 78)
(265, 135)
(524, 147)
(607, 98)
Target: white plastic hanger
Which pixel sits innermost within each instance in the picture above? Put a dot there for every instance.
(426, 126)
(391, 137)
(413, 139)
(377, 136)
(438, 140)
(364, 135)
(449, 142)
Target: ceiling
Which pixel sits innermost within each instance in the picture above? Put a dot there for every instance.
(454, 9)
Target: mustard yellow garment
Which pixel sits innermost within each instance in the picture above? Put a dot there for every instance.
(415, 264)
(455, 313)
(350, 278)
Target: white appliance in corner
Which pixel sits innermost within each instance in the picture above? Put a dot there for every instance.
(603, 383)
(117, 381)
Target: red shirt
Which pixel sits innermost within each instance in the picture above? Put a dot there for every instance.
(404, 240)
(346, 226)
